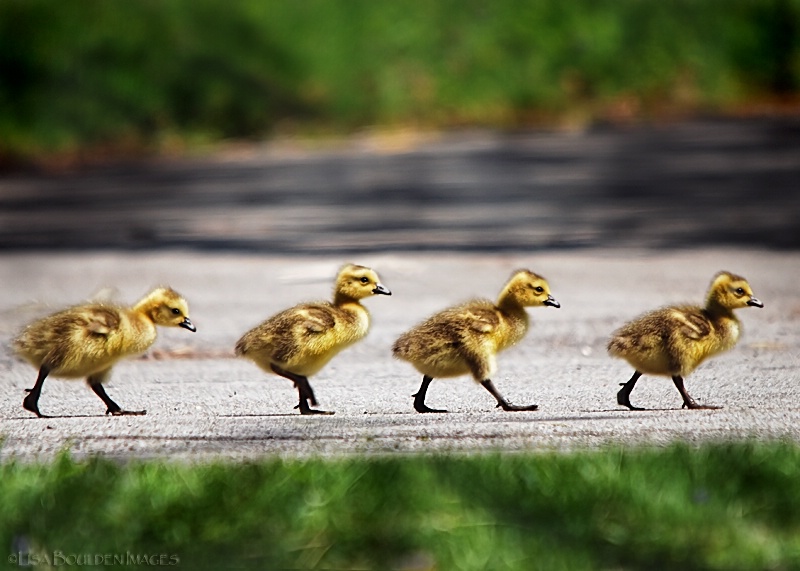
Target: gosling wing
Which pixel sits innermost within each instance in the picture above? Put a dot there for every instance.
(482, 320)
(689, 322)
(98, 320)
(312, 319)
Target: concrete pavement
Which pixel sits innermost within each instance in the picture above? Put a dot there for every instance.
(203, 403)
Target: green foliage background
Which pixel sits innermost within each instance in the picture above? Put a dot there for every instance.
(150, 74)
(718, 506)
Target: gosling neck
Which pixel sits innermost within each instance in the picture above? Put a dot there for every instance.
(147, 307)
(341, 299)
(508, 304)
(716, 309)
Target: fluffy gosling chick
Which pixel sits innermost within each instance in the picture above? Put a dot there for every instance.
(466, 338)
(86, 340)
(673, 341)
(298, 342)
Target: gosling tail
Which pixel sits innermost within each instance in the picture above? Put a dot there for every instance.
(619, 346)
(241, 347)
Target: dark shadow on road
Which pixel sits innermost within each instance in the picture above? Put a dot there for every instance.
(714, 182)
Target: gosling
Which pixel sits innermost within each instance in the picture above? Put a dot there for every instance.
(466, 338)
(87, 340)
(673, 341)
(298, 342)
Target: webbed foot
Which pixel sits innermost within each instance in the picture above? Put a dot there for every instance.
(517, 407)
(32, 405)
(120, 412)
(422, 407)
(305, 409)
(624, 397)
(696, 406)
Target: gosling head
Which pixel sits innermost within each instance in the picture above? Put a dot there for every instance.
(358, 282)
(167, 307)
(528, 290)
(731, 292)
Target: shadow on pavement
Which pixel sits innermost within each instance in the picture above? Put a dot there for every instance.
(725, 182)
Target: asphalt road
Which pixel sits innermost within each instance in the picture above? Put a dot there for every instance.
(204, 403)
(710, 183)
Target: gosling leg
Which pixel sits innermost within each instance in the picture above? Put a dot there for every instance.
(624, 394)
(502, 402)
(419, 397)
(112, 407)
(31, 401)
(304, 390)
(688, 401)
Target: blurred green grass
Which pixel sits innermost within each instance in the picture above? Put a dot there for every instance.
(716, 506)
(127, 76)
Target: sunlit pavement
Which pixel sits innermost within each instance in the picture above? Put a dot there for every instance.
(202, 402)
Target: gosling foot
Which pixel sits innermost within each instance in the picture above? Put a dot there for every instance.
(121, 412)
(624, 398)
(419, 397)
(305, 409)
(502, 402)
(112, 407)
(517, 407)
(696, 406)
(688, 401)
(422, 407)
(32, 405)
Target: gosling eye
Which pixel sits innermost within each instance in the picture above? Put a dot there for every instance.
(176, 311)
(739, 291)
(365, 280)
(539, 289)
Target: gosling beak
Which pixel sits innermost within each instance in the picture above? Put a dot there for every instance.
(381, 289)
(754, 302)
(552, 302)
(187, 324)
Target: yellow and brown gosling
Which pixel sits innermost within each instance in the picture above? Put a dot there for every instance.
(86, 340)
(466, 338)
(298, 342)
(673, 341)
